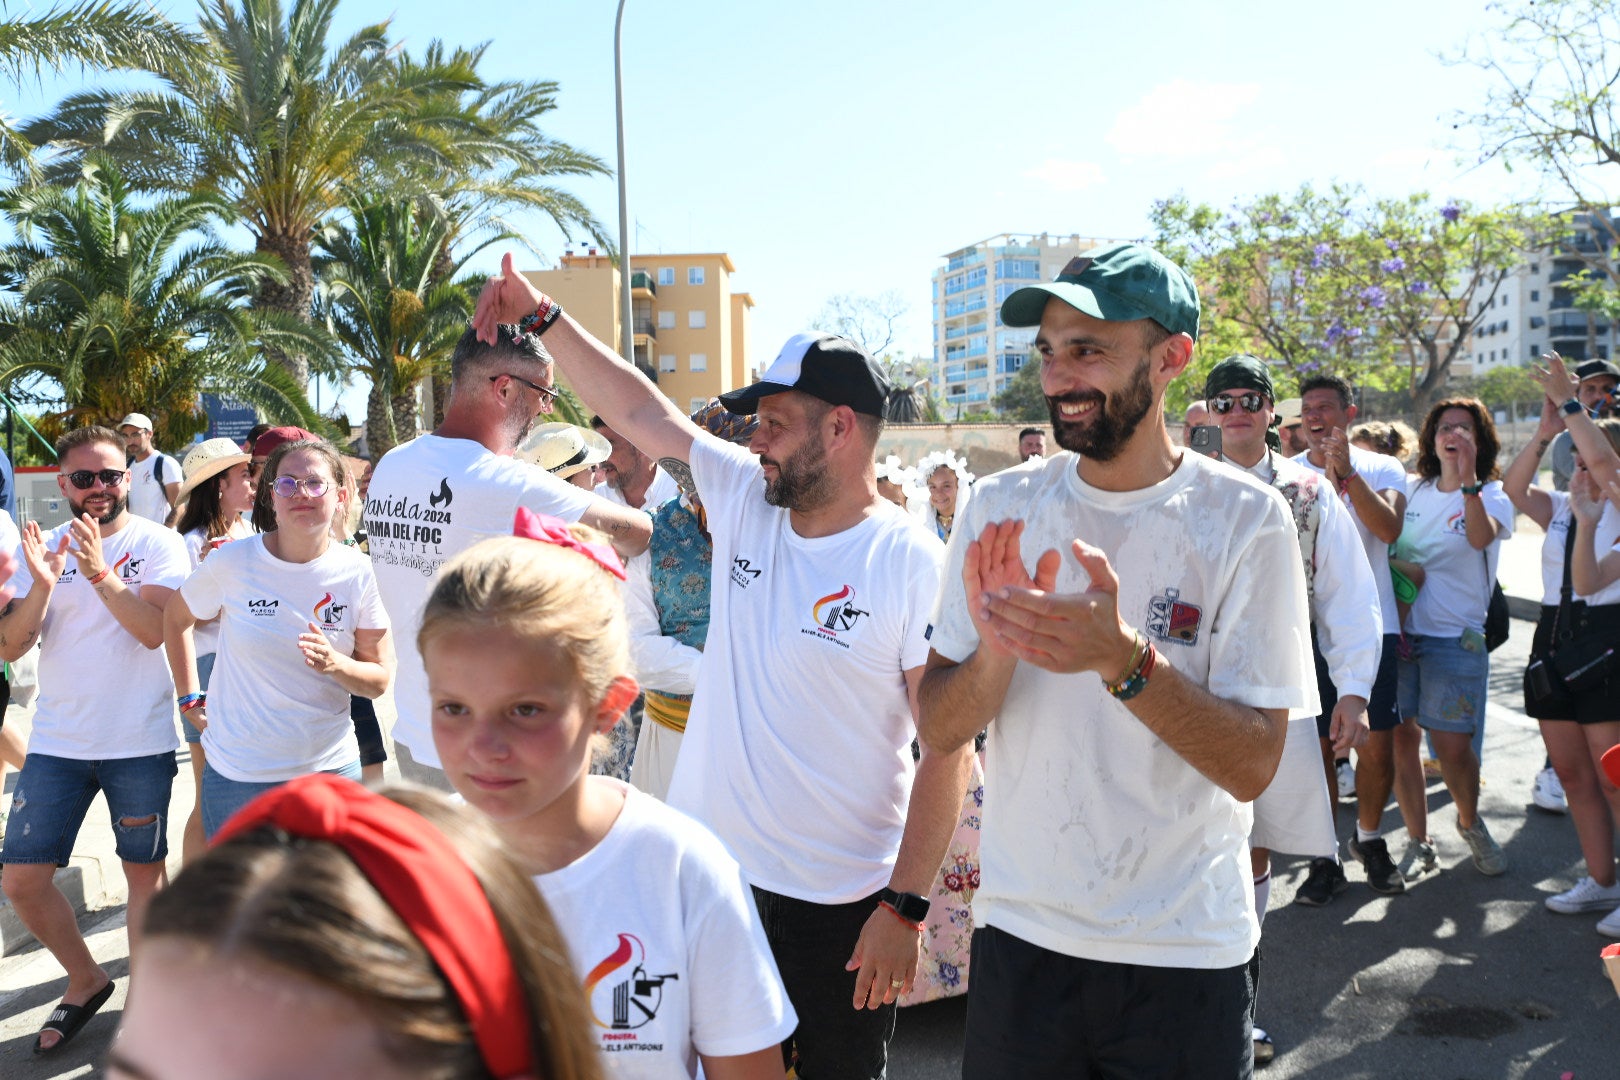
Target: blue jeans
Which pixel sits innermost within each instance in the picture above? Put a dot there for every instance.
(54, 794)
(222, 797)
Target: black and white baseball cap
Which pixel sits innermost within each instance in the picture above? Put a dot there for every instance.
(825, 366)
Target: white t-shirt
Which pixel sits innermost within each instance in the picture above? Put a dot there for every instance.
(270, 715)
(1098, 840)
(1457, 580)
(662, 489)
(664, 935)
(798, 750)
(431, 499)
(102, 694)
(148, 498)
(1606, 537)
(1382, 473)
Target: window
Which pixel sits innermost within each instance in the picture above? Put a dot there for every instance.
(1535, 295)
(666, 363)
(694, 275)
(1535, 268)
(696, 320)
(700, 361)
(666, 320)
(666, 275)
(1505, 299)
(1535, 350)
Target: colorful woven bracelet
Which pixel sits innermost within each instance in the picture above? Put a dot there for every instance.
(542, 318)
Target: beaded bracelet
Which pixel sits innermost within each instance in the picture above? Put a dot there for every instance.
(1138, 647)
(1134, 680)
(542, 318)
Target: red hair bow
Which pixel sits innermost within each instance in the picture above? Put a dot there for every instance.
(423, 878)
(550, 530)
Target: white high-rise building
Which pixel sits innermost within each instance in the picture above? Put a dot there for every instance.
(1534, 312)
(975, 354)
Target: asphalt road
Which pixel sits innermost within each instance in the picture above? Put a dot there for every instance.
(1462, 978)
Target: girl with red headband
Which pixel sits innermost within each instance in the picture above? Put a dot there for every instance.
(333, 931)
(526, 650)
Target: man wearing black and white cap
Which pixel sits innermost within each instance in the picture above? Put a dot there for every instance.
(797, 753)
(1129, 621)
(1598, 382)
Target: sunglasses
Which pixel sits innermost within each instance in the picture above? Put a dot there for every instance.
(547, 395)
(85, 479)
(1252, 403)
(288, 486)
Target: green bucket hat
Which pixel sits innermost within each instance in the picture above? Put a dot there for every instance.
(1120, 283)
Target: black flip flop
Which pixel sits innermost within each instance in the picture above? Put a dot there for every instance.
(67, 1020)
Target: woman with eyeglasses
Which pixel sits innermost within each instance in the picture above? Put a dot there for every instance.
(301, 627)
(1457, 516)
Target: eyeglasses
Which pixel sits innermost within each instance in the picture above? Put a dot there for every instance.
(1252, 403)
(547, 395)
(288, 486)
(85, 479)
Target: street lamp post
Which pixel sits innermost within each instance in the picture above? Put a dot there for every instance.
(626, 326)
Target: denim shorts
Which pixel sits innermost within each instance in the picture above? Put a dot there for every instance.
(205, 668)
(1445, 685)
(54, 794)
(222, 796)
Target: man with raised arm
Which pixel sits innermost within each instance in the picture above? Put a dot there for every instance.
(1129, 620)
(797, 749)
(434, 497)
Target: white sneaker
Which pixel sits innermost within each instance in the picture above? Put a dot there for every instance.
(1347, 780)
(1587, 895)
(1609, 927)
(1548, 793)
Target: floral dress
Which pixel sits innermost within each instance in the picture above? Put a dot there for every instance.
(943, 970)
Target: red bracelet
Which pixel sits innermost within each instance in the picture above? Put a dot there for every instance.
(886, 906)
(105, 570)
(1344, 485)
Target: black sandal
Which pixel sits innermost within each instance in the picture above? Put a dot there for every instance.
(67, 1020)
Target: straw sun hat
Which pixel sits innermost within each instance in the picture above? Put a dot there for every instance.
(563, 449)
(207, 460)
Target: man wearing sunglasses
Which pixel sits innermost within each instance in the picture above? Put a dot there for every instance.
(1596, 391)
(93, 595)
(436, 496)
(1295, 814)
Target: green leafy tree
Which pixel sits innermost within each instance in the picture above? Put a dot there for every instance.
(1384, 292)
(379, 297)
(279, 124)
(110, 307)
(94, 34)
(1022, 398)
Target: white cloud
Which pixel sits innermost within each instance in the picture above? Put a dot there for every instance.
(1067, 175)
(1254, 159)
(1182, 118)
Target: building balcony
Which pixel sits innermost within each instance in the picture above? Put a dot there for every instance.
(1574, 324)
(645, 328)
(642, 285)
(964, 260)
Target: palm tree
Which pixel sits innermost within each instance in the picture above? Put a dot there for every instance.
(380, 299)
(110, 308)
(92, 33)
(278, 124)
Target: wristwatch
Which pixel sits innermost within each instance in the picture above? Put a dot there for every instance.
(1472, 489)
(1572, 406)
(909, 905)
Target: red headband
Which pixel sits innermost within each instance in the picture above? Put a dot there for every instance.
(428, 884)
(551, 530)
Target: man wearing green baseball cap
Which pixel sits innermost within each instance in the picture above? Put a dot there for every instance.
(1135, 675)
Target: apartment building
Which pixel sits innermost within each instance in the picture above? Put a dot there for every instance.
(691, 331)
(1534, 310)
(975, 355)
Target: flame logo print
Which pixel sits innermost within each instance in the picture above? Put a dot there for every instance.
(636, 996)
(118, 566)
(846, 593)
(443, 496)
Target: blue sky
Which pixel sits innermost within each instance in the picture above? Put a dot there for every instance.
(843, 147)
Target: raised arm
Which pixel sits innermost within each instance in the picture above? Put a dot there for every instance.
(1519, 480)
(1596, 454)
(607, 384)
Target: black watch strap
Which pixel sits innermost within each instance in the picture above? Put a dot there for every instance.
(909, 905)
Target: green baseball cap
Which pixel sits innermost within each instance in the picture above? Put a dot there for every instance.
(1119, 283)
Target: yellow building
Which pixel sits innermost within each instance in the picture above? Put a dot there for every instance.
(691, 331)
